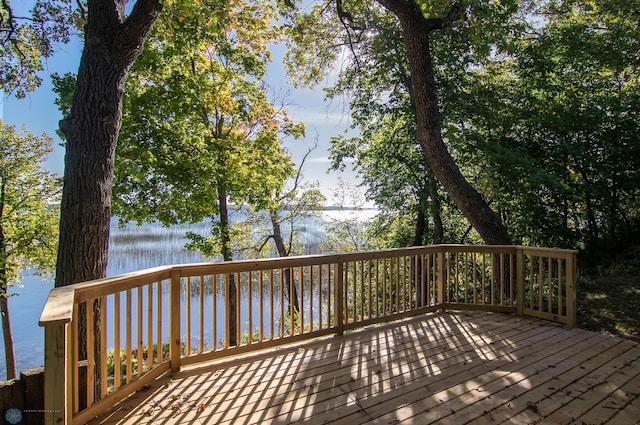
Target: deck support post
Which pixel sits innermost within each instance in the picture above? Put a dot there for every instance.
(174, 318)
(441, 280)
(339, 302)
(57, 379)
(571, 290)
(520, 281)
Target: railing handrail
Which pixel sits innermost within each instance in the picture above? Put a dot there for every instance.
(538, 282)
(60, 303)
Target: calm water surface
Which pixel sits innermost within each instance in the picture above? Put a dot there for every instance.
(130, 248)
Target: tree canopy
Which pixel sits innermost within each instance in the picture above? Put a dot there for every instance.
(29, 197)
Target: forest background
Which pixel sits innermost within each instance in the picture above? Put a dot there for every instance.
(537, 104)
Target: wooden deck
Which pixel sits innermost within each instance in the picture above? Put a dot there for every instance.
(448, 368)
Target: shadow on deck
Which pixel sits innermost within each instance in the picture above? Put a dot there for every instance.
(447, 368)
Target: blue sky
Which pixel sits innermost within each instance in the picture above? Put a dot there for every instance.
(39, 113)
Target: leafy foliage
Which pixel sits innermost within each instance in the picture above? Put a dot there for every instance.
(29, 197)
(198, 128)
(27, 40)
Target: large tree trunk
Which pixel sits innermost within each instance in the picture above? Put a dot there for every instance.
(112, 44)
(416, 29)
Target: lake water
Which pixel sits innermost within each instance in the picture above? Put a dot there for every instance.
(130, 248)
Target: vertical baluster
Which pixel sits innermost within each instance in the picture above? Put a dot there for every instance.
(188, 315)
(90, 351)
(320, 287)
(214, 311)
(227, 337)
(359, 278)
(74, 359)
(311, 285)
(103, 347)
(250, 307)
(402, 282)
(128, 337)
(540, 282)
(512, 268)
(292, 285)
(369, 292)
(502, 277)
(377, 301)
(149, 326)
(282, 317)
(561, 311)
(271, 306)
(386, 289)
(301, 292)
(140, 345)
(159, 341)
(484, 278)
(329, 283)
(340, 294)
(397, 280)
(117, 380)
(474, 279)
(431, 294)
(261, 303)
(201, 313)
(493, 279)
(550, 286)
(238, 309)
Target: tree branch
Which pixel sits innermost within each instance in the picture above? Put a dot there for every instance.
(138, 25)
(349, 24)
(410, 9)
(447, 21)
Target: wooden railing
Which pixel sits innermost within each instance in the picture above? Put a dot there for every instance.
(107, 338)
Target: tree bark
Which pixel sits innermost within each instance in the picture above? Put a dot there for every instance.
(227, 255)
(416, 29)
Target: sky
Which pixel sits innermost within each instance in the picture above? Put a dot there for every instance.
(322, 119)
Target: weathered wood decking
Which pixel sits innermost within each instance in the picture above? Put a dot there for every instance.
(447, 368)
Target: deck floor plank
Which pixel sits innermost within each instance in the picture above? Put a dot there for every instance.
(452, 368)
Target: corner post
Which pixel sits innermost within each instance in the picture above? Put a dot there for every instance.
(571, 290)
(57, 375)
(174, 318)
(520, 281)
(339, 303)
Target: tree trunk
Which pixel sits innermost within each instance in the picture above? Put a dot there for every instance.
(112, 43)
(438, 227)
(10, 355)
(227, 255)
(416, 29)
(292, 291)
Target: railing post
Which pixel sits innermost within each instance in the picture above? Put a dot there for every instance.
(174, 318)
(57, 379)
(441, 280)
(571, 290)
(520, 281)
(339, 303)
